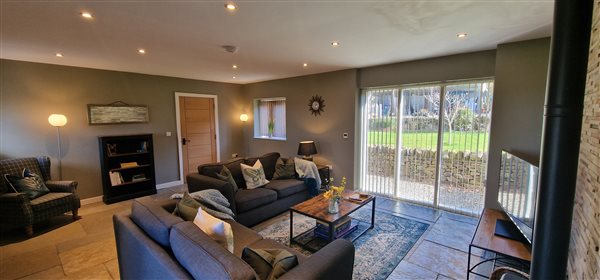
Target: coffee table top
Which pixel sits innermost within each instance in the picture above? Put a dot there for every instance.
(317, 207)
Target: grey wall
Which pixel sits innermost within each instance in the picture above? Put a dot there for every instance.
(340, 93)
(453, 67)
(30, 92)
(519, 92)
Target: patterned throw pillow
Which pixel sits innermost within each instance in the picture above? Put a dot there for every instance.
(226, 176)
(254, 175)
(269, 264)
(285, 169)
(28, 183)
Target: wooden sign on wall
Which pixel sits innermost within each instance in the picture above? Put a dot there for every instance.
(117, 113)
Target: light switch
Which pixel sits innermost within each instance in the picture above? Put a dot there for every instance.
(168, 133)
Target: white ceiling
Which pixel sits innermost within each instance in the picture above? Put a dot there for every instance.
(183, 38)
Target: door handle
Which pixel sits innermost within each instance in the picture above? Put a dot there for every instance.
(185, 141)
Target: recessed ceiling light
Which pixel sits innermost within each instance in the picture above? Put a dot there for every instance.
(59, 55)
(461, 35)
(305, 65)
(141, 51)
(87, 15)
(231, 6)
(335, 43)
(234, 66)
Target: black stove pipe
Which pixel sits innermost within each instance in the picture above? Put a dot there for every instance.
(560, 138)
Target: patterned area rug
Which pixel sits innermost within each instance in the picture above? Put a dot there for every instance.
(378, 251)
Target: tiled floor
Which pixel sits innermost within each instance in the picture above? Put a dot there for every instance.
(85, 249)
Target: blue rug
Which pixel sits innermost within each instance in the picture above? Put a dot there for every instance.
(378, 251)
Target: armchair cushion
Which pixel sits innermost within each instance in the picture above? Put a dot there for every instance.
(29, 183)
(51, 200)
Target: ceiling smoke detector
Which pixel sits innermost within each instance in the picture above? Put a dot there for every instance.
(230, 49)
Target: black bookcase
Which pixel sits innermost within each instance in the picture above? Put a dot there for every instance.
(127, 164)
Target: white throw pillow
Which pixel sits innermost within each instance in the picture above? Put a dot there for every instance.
(217, 229)
(254, 175)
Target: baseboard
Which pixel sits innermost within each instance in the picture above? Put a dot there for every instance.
(169, 184)
(91, 200)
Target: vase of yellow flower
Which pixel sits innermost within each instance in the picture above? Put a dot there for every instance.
(334, 195)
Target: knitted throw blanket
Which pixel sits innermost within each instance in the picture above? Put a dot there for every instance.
(211, 201)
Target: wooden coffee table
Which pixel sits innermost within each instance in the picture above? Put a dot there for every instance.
(317, 208)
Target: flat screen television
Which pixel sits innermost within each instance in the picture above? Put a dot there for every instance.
(517, 194)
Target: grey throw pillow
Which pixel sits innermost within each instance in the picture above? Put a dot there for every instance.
(28, 183)
(285, 169)
(269, 264)
(226, 176)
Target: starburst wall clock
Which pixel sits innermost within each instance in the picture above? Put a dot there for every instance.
(316, 105)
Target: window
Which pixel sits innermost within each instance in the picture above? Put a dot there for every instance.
(269, 120)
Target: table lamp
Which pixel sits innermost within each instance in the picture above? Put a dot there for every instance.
(306, 149)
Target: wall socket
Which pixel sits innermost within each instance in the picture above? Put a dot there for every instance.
(345, 135)
(234, 155)
(168, 133)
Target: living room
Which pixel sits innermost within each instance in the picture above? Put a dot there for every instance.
(117, 56)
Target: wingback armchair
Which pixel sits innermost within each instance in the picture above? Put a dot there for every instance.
(17, 209)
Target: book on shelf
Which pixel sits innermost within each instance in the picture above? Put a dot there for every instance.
(128, 164)
(325, 234)
(339, 223)
(115, 178)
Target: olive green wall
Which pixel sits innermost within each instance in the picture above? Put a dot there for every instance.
(518, 110)
(30, 92)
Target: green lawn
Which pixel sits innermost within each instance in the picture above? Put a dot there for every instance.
(461, 141)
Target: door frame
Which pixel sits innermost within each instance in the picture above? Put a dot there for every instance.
(178, 118)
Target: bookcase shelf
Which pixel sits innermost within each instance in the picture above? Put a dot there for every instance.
(118, 182)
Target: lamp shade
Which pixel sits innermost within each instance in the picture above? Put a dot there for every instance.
(244, 117)
(57, 120)
(307, 148)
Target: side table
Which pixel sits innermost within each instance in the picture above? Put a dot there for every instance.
(325, 174)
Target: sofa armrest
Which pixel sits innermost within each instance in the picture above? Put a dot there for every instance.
(15, 208)
(62, 186)
(197, 182)
(334, 261)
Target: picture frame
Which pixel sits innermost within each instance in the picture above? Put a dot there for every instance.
(117, 113)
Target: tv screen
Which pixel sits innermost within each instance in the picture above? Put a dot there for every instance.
(517, 192)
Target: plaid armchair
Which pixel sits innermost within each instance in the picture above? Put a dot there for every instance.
(18, 209)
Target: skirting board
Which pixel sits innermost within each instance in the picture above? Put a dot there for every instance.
(95, 199)
(91, 200)
(169, 184)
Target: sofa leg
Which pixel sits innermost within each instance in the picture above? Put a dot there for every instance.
(75, 216)
(29, 230)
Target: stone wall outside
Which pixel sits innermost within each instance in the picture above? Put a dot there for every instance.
(584, 251)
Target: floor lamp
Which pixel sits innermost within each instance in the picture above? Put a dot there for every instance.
(58, 120)
(244, 119)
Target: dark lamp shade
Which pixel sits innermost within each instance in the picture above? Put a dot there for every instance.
(307, 148)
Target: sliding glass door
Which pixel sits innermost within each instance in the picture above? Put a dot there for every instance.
(427, 144)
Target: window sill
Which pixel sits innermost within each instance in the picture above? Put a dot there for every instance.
(271, 138)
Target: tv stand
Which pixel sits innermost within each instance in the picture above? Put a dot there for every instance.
(497, 250)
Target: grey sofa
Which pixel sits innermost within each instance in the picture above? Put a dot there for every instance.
(18, 210)
(154, 244)
(256, 205)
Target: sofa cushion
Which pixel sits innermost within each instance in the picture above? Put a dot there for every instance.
(153, 219)
(254, 175)
(268, 162)
(233, 165)
(216, 228)
(187, 207)
(286, 187)
(226, 176)
(272, 244)
(284, 169)
(50, 200)
(269, 264)
(242, 236)
(249, 199)
(204, 258)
